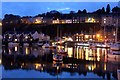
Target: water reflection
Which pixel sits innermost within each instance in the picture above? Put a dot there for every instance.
(97, 62)
(103, 70)
(86, 53)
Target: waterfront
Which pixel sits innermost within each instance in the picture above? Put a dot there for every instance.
(87, 63)
(47, 40)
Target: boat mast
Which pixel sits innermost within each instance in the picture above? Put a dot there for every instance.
(57, 32)
(116, 31)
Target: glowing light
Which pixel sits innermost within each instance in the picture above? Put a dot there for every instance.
(9, 51)
(26, 37)
(37, 66)
(93, 67)
(89, 67)
(105, 66)
(57, 67)
(0, 61)
(0, 24)
(15, 39)
(87, 56)
(90, 20)
(104, 19)
(98, 35)
(70, 39)
(37, 21)
(70, 52)
(16, 49)
(27, 51)
(11, 63)
(86, 36)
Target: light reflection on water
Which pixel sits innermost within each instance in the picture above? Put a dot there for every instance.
(100, 68)
(86, 53)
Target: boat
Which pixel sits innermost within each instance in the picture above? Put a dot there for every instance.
(92, 45)
(57, 57)
(62, 52)
(46, 45)
(114, 54)
(118, 74)
(115, 46)
(40, 44)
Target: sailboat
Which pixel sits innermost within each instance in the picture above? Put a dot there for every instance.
(114, 54)
(116, 45)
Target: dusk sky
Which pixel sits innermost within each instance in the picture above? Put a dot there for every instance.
(34, 8)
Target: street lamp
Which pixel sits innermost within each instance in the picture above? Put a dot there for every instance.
(98, 36)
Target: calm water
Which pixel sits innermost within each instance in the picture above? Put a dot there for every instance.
(98, 67)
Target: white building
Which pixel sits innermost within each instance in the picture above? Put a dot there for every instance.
(107, 20)
(110, 20)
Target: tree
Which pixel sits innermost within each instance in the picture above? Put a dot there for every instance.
(116, 10)
(103, 10)
(108, 9)
(72, 12)
(79, 11)
(84, 11)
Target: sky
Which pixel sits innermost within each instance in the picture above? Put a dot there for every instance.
(34, 8)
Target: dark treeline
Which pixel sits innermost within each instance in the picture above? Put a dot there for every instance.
(16, 21)
(56, 14)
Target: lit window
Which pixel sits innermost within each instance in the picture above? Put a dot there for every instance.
(104, 19)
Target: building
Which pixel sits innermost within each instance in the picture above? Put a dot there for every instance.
(27, 20)
(37, 20)
(107, 20)
(110, 20)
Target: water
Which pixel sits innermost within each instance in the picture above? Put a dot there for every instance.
(92, 63)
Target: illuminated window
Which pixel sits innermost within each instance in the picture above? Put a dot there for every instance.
(104, 19)
(90, 20)
(37, 21)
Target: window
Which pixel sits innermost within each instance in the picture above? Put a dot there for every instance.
(104, 19)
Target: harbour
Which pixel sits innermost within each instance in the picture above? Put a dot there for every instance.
(60, 41)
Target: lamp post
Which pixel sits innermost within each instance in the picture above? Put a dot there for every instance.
(98, 36)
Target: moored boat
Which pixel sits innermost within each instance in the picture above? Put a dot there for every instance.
(63, 53)
(114, 56)
(57, 57)
(115, 46)
(46, 45)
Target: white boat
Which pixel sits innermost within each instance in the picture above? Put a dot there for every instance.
(115, 46)
(40, 44)
(46, 45)
(57, 57)
(115, 49)
(114, 56)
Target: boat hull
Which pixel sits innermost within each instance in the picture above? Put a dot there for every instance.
(114, 57)
(57, 57)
